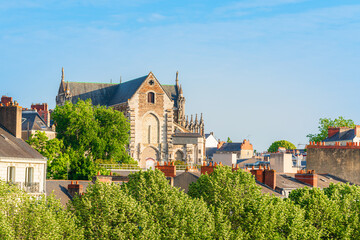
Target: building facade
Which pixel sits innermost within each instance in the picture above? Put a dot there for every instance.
(160, 130)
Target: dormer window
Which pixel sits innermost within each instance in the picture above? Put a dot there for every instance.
(151, 97)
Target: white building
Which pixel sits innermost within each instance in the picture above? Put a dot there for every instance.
(20, 164)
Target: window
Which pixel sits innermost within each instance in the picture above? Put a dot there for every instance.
(151, 97)
(29, 177)
(149, 134)
(11, 175)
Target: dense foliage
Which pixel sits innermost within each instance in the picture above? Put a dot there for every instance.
(87, 135)
(325, 123)
(222, 205)
(282, 143)
(25, 217)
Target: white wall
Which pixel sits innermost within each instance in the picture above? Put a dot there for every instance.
(282, 163)
(20, 165)
(227, 159)
(211, 141)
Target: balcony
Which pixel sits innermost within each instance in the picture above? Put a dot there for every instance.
(33, 187)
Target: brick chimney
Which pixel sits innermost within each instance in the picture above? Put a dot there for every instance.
(75, 189)
(357, 130)
(270, 178)
(168, 169)
(10, 117)
(43, 111)
(308, 178)
(208, 169)
(332, 131)
(258, 173)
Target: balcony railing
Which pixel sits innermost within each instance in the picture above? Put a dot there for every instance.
(33, 187)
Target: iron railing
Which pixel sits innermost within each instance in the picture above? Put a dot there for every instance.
(33, 187)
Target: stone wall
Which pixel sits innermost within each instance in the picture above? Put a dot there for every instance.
(340, 161)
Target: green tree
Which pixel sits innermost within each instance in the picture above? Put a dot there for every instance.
(107, 212)
(237, 201)
(177, 215)
(96, 131)
(229, 140)
(325, 123)
(25, 217)
(282, 143)
(56, 153)
(334, 211)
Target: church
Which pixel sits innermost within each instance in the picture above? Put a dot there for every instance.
(160, 130)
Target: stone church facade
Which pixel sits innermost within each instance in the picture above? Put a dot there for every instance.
(160, 131)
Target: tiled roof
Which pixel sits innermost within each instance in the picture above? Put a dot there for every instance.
(59, 189)
(12, 147)
(171, 92)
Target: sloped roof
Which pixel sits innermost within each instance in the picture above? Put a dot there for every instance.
(31, 120)
(348, 135)
(187, 134)
(99, 93)
(12, 147)
(231, 147)
(126, 90)
(210, 151)
(172, 92)
(59, 189)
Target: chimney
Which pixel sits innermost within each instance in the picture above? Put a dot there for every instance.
(357, 130)
(258, 173)
(75, 189)
(332, 131)
(168, 169)
(270, 178)
(308, 178)
(10, 118)
(208, 169)
(43, 111)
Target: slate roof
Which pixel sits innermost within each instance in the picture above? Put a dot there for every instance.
(184, 180)
(172, 92)
(12, 147)
(33, 121)
(59, 189)
(126, 90)
(210, 151)
(348, 135)
(230, 147)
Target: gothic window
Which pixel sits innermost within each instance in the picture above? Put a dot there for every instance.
(179, 156)
(151, 97)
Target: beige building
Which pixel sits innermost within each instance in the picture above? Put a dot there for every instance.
(160, 131)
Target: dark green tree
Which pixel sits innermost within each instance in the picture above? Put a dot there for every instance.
(229, 140)
(282, 143)
(97, 131)
(177, 215)
(325, 123)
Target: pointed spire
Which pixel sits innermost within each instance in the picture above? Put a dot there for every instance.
(62, 74)
(191, 119)
(177, 79)
(187, 121)
(201, 118)
(196, 120)
(180, 91)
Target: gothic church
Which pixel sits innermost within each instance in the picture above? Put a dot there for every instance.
(159, 129)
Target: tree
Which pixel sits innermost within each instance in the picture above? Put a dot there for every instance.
(96, 131)
(282, 143)
(25, 217)
(107, 212)
(237, 201)
(56, 153)
(177, 215)
(334, 211)
(325, 123)
(229, 140)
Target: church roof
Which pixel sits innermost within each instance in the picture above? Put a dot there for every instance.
(99, 93)
(171, 92)
(126, 90)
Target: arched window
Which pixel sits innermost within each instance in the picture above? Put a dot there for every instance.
(151, 97)
(179, 156)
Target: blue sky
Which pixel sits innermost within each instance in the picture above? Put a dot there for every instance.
(260, 69)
